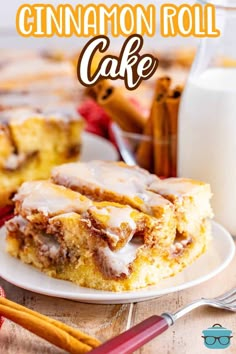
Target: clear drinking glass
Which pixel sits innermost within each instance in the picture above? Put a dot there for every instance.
(207, 120)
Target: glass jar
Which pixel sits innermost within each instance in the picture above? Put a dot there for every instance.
(207, 119)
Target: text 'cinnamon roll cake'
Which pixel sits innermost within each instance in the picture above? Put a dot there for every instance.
(32, 142)
(109, 226)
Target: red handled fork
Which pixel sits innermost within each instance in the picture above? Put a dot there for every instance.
(129, 341)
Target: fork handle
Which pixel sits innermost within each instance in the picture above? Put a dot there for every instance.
(134, 338)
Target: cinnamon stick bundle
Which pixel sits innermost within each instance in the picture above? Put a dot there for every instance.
(157, 151)
(55, 332)
(159, 154)
(146, 150)
(117, 106)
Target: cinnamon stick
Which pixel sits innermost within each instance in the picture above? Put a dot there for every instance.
(145, 151)
(55, 332)
(160, 138)
(118, 107)
(99, 89)
(172, 105)
(162, 86)
(144, 154)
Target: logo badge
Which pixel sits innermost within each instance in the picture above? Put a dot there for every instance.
(217, 337)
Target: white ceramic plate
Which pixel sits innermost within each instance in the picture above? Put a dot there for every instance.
(96, 148)
(217, 258)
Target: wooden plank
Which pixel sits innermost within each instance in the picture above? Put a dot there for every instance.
(100, 321)
(185, 336)
(105, 321)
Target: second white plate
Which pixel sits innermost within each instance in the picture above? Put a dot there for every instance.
(96, 148)
(217, 258)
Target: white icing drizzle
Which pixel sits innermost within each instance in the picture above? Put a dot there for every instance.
(21, 114)
(14, 55)
(50, 199)
(17, 220)
(180, 246)
(62, 84)
(118, 262)
(34, 68)
(18, 114)
(110, 176)
(152, 199)
(117, 216)
(14, 161)
(14, 99)
(177, 186)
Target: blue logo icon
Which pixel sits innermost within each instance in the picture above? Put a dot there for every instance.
(217, 337)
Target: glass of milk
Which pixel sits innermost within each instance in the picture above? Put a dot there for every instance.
(207, 121)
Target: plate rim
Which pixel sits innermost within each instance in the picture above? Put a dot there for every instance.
(127, 296)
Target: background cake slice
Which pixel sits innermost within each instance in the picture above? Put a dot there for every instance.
(32, 142)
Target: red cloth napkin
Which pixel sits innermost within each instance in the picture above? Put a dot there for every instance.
(97, 121)
(6, 213)
(2, 293)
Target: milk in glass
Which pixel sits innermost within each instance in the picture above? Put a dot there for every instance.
(207, 138)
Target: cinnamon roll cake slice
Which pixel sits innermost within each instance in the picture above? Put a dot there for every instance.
(103, 245)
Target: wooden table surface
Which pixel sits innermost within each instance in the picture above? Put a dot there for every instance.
(105, 321)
